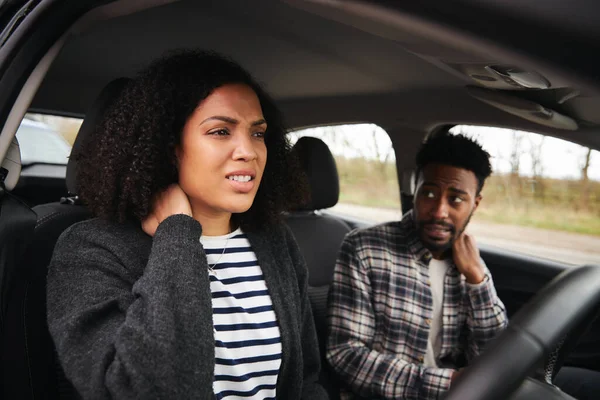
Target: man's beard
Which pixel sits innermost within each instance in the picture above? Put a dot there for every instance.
(441, 247)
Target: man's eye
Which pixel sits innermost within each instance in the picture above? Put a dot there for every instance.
(219, 132)
(259, 134)
(429, 195)
(457, 200)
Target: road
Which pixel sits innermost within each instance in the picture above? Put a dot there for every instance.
(571, 248)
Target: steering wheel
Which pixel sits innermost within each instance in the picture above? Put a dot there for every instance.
(533, 333)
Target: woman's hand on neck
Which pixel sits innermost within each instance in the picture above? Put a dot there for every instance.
(171, 201)
(174, 201)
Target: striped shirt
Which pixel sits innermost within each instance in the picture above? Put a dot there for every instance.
(380, 311)
(247, 338)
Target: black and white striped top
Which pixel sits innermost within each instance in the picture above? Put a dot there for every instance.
(247, 337)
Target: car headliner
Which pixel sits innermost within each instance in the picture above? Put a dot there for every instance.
(322, 63)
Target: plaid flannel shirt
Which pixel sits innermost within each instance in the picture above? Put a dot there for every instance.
(380, 309)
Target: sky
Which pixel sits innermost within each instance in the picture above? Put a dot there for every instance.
(559, 159)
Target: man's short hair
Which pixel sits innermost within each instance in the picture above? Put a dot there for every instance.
(457, 151)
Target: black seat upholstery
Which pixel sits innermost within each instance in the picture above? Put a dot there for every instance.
(319, 236)
(17, 223)
(30, 365)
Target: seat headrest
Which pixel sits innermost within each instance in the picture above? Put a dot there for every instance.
(319, 165)
(92, 117)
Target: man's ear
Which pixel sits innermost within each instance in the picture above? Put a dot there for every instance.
(477, 200)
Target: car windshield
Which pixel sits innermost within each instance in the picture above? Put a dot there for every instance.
(39, 143)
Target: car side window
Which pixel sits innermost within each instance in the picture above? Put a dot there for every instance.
(366, 166)
(46, 139)
(543, 198)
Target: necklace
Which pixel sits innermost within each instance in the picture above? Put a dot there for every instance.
(211, 267)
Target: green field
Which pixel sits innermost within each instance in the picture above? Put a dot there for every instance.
(543, 203)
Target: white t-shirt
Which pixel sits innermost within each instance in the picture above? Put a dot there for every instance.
(437, 274)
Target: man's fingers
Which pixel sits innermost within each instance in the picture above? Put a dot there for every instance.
(470, 240)
(459, 241)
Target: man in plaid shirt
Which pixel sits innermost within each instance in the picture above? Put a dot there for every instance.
(411, 301)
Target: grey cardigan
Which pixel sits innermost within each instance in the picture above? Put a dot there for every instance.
(131, 315)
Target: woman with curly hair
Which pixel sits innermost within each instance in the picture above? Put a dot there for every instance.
(187, 285)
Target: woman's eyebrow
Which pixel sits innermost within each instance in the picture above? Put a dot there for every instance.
(221, 118)
(232, 121)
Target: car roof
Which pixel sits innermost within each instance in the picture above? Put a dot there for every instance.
(323, 64)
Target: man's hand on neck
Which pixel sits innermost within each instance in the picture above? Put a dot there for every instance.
(466, 258)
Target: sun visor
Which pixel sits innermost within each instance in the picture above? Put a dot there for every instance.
(525, 109)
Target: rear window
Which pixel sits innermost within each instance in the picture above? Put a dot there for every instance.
(46, 139)
(366, 165)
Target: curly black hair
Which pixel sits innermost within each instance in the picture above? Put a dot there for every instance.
(131, 155)
(457, 151)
